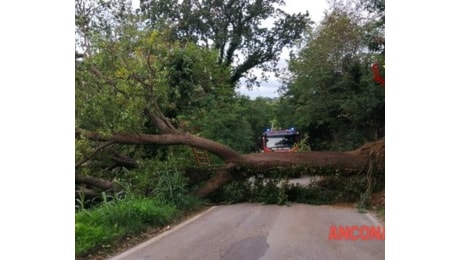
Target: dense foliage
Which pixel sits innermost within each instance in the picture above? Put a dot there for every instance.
(331, 94)
(179, 63)
(239, 30)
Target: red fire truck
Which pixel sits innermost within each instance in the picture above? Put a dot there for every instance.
(280, 140)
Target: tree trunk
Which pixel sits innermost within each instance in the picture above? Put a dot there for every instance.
(221, 177)
(124, 161)
(96, 182)
(227, 154)
(85, 193)
(351, 162)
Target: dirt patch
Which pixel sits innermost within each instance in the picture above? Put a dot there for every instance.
(378, 204)
(378, 200)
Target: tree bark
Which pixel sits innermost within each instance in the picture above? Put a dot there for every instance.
(348, 161)
(93, 154)
(97, 182)
(224, 152)
(124, 161)
(86, 193)
(221, 177)
(351, 162)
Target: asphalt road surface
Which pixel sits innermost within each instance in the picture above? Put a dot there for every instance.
(254, 231)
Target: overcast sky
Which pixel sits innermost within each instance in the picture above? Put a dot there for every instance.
(316, 9)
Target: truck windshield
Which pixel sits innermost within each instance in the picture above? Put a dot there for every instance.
(280, 141)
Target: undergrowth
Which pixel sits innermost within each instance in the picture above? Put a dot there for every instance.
(102, 226)
(155, 196)
(272, 187)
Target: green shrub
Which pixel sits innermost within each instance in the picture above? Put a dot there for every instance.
(271, 187)
(171, 187)
(103, 225)
(310, 194)
(269, 191)
(164, 181)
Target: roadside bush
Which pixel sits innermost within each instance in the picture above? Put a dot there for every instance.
(255, 189)
(271, 187)
(165, 181)
(153, 195)
(310, 194)
(104, 225)
(269, 191)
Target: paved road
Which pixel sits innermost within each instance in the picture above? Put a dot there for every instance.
(268, 232)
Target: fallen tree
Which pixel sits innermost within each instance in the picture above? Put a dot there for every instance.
(150, 86)
(369, 157)
(146, 84)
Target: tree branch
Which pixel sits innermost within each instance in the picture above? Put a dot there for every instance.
(98, 182)
(160, 121)
(125, 161)
(222, 151)
(93, 153)
(346, 162)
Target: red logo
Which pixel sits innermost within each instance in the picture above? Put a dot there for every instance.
(377, 77)
(357, 233)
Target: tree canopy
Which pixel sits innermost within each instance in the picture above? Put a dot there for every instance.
(246, 34)
(166, 75)
(331, 94)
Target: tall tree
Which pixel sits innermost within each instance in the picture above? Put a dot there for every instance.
(99, 20)
(141, 88)
(371, 14)
(331, 94)
(246, 33)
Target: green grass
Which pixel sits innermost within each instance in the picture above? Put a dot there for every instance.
(381, 213)
(102, 226)
(105, 226)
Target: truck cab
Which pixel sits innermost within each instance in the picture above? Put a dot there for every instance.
(280, 140)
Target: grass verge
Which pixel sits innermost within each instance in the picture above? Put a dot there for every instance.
(105, 225)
